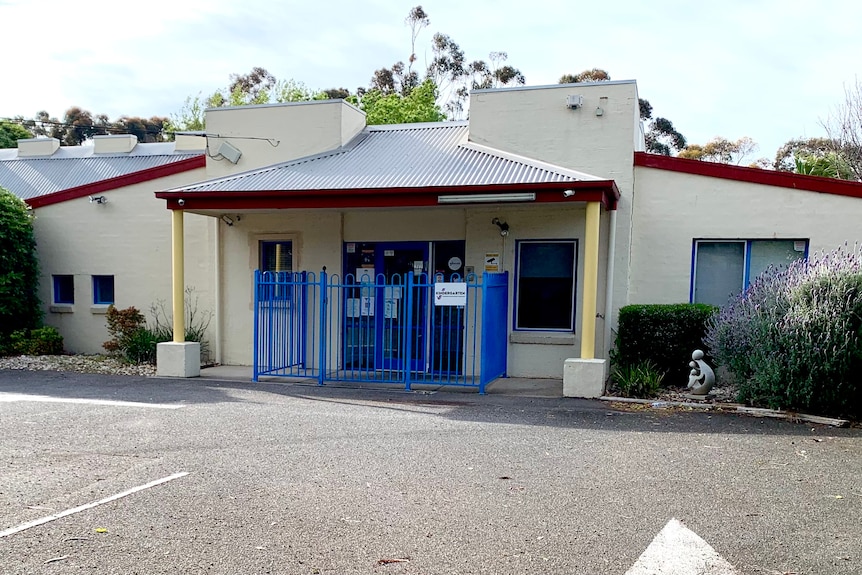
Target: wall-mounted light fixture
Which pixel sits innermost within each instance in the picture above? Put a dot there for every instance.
(504, 227)
(568, 193)
(98, 200)
(600, 109)
(227, 219)
(486, 198)
(574, 101)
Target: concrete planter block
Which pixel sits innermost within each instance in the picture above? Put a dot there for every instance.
(584, 377)
(178, 359)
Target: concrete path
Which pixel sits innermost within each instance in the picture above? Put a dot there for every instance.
(522, 386)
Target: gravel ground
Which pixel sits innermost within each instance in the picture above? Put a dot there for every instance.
(76, 363)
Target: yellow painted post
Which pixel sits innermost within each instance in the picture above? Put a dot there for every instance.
(591, 281)
(278, 257)
(178, 265)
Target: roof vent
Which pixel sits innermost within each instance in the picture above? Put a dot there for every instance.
(36, 147)
(117, 144)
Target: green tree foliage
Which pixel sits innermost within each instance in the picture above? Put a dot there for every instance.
(389, 98)
(11, 132)
(785, 157)
(419, 105)
(720, 150)
(592, 75)
(79, 125)
(813, 157)
(660, 137)
(829, 165)
(256, 87)
(19, 270)
(844, 128)
(449, 70)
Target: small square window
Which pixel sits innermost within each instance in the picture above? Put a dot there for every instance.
(103, 290)
(64, 289)
(276, 256)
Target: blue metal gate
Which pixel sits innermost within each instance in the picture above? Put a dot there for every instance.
(407, 330)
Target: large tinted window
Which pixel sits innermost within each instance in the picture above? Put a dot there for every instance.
(546, 285)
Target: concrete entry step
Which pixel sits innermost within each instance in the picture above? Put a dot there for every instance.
(520, 386)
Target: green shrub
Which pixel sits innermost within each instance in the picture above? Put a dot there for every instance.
(793, 339)
(136, 339)
(662, 334)
(19, 270)
(642, 379)
(140, 346)
(40, 341)
(123, 325)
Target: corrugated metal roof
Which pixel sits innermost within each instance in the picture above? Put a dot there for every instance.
(70, 167)
(399, 156)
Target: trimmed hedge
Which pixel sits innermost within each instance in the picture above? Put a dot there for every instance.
(40, 341)
(663, 334)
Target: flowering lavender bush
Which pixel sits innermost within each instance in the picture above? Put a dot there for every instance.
(792, 339)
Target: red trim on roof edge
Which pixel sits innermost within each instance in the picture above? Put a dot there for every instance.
(604, 191)
(750, 175)
(100, 186)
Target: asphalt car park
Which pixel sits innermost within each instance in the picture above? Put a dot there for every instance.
(109, 474)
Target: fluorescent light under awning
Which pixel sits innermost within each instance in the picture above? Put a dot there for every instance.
(487, 198)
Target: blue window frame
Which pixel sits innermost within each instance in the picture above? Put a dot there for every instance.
(64, 289)
(723, 268)
(103, 290)
(545, 284)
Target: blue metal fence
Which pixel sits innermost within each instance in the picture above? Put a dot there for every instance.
(408, 330)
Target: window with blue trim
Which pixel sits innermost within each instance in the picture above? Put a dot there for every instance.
(723, 268)
(64, 289)
(103, 290)
(545, 285)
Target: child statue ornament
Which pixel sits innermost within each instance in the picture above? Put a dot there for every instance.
(702, 378)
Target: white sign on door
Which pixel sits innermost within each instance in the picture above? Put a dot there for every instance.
(450, 294)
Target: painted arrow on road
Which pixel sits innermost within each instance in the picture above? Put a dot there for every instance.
(677, 550)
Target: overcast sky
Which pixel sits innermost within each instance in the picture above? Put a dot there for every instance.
(768, 69)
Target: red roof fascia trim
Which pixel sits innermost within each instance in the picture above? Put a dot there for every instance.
(119, 181)
(750, 175)
(604, 191)
(237, 202)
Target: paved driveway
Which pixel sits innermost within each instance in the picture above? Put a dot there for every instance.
(307, 480)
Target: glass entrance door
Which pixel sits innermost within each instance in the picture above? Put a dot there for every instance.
(401, 333)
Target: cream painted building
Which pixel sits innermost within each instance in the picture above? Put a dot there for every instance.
(549, 185)
(101, 238)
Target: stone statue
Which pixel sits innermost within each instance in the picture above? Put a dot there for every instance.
(702, 378)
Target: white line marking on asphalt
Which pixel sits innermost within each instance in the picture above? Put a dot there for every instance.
(12, 397)
(679, 550)
(48, 518)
